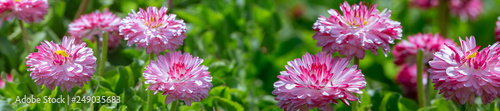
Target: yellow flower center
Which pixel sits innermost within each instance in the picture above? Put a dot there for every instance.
(17, 0)
(472, 55)
(62, 53)
(356, 24)
(153, 20)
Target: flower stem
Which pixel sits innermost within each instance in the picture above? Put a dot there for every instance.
(420, 84)
(104, 53)
(468, 107)
(81, 8)
(174, 105)
(150, 101)
(355, 104)
(66, 105)
(444, 16)
(25, 36)
(150, 93)
(98, 56)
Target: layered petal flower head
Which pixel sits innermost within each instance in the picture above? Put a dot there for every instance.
(61, 65)
(95, 24)
(497, 30)
(466, 9)
(406, 50)
(462, 73)
(424, 4)
(360, 28)
(26, 10)
(317, 81)
(153, 30)
(179, 76)
(407, 77)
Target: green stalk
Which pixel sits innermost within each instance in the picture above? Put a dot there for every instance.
(420, 84)
(150, 93)
(104, 53)
(150, 101)
(81, 9)
(25, 36)
(444, 16)
(355, 104)
(174, 105)
(66, 105)
(468, 107)
(98, 56)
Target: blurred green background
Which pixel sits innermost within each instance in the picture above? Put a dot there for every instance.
(245, 44)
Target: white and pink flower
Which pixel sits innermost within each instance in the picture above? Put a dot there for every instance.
(462, 73)
(466, 9)
(360, 28)
(179, 76)
(95, 24)
(317, 81)
(63, 65)
(26, 10)
(153, 30)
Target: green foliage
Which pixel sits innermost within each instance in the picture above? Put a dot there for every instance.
(245, 44)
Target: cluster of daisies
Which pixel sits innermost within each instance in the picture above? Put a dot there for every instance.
(313, 81)
(176, 74)
(316, 81)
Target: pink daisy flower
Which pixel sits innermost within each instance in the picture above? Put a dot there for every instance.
(153, 30)
(424, 4)
(26, 10)
(406, 50)
(466, 9)
(462, 73)
(94, 24)
(179, 76)
(407, 77)
(9, 77)
(61, 65)
(497, 30)
(360, 28)
(317, 81)
(2, 82)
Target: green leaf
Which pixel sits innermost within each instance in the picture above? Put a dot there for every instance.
(105, 108)
(387, 103)
(443, 105)
(228, 105)
(123, 79)
(134, 103)
(220, 91)
(196, 106)
(102, 91)
(5, 106)
(366, 102)
(190, 18)
(123, 108)
(406, 104)
(8, 49)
